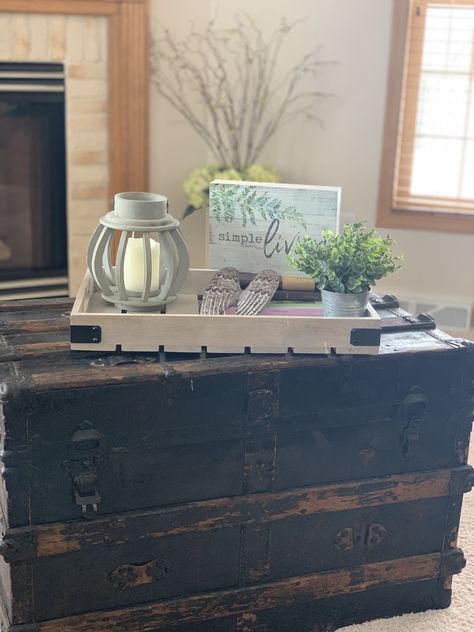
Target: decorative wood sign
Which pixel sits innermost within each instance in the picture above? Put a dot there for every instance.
(254, 226)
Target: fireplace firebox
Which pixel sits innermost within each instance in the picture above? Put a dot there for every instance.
(33, 231)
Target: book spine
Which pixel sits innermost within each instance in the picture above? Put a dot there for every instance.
(288, 283)
(297, 295)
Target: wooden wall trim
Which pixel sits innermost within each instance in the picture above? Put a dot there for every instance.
(427, 220)
(128, 97)
(65, 7)
(392, 109)
(128, 80)
(387, 216)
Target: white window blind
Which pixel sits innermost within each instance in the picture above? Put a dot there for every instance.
(435, 154)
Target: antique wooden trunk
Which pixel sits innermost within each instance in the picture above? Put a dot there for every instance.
(228, 494)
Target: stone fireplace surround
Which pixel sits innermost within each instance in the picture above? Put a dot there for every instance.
(103, 46)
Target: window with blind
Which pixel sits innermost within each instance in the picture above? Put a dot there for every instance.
(427, 177)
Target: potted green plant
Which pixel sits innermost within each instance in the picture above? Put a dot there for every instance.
(346, 266)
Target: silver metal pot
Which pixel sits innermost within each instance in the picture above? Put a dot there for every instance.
(337, 304)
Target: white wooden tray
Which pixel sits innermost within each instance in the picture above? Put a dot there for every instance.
(100, 326)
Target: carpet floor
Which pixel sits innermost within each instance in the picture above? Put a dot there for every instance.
(459, 617)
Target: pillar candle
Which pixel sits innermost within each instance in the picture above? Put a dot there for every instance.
(134, 265)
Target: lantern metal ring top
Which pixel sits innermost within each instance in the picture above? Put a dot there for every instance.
(160, 274)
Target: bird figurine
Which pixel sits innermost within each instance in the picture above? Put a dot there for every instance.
(258, 293)
(223, 290)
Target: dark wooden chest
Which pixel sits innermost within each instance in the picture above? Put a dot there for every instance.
(227, 494)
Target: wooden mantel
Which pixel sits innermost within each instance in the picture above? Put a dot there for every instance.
(128, 80)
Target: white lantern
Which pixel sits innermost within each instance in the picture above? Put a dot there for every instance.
(152, 260)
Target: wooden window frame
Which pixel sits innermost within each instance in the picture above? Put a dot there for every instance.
(387, 215)
(128, 80)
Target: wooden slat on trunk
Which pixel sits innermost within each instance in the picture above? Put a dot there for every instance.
(161, 615)
(62, 538)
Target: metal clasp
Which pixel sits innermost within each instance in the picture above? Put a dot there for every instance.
(413, 417)
(86, 501)
(86, 458)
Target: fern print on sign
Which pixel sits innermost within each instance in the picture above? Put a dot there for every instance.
(253, 225)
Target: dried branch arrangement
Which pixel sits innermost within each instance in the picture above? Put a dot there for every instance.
(232, 75)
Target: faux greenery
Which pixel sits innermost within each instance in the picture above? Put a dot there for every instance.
(348, 263)
(249, 201)
(196, 186)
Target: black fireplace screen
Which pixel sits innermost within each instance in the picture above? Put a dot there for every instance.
(32, 171)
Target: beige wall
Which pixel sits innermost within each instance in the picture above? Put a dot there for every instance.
(355, 33)
(175, 149)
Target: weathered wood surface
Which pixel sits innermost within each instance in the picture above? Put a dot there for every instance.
(213, 428)
(36, 304)
(222, 604)
(67, 537)
(144, 556)
(36, 325)
(321, 615)
(272, 456)
(66, 369)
